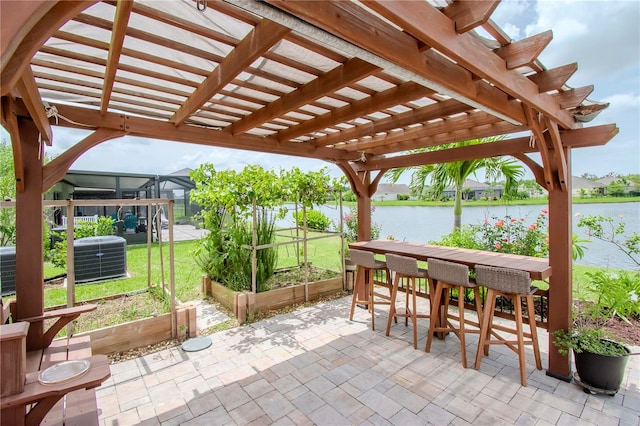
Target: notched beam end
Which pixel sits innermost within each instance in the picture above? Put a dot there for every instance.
(468, 15)
(574, 97)
(554, 78)
(524, 52)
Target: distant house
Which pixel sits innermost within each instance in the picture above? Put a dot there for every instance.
(390, 191)
(581, 187)
(606, 181)
(474, 190)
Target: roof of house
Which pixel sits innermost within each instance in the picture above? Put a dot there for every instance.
(607, 180)
(393, 188)
(83, 179)
(474, 185)
(582, 183)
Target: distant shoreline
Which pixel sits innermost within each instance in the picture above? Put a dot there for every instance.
(527, 202)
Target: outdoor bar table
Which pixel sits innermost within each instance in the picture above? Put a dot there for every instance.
(537, 267)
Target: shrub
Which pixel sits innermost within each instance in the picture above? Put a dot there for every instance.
(225, 257)
(351, 225)
(593, 340)
(507, 235)
(511, 235)
(315, 220)
(465, 237)
(617, 294)
(402, 197)
(349, 196)
(606, 229)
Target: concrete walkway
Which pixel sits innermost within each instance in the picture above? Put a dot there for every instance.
(314, 366)
(184, 233)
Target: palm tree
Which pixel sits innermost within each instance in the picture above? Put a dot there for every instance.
(439, 176)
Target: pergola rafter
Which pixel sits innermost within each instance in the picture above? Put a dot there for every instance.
(358, 84)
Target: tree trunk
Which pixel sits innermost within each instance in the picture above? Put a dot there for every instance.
(457, 208)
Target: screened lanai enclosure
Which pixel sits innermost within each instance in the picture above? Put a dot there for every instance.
(355, 83)
(93, 185)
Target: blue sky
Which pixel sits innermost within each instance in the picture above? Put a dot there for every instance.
(603, 37)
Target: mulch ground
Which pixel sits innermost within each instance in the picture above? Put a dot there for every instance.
(628, 332)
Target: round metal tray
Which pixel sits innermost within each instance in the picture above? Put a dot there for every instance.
(64, 371)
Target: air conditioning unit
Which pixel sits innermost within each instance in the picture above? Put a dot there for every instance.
(99, 258)
(7, 270)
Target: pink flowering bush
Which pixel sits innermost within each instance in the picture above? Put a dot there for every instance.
(504, 235)
(351, 225)
(515, 235)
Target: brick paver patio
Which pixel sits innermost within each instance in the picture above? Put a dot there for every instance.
(314, 366)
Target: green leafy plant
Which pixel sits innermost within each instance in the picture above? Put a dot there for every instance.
(229, 200)
(7, 191)
(315, 220)
(607, 229)
(577, 247)
(586, 339)
(350, 221)
(503, 235)
(465, 237)
(617, 293)
(513, 235)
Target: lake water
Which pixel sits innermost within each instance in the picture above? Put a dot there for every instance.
(423, 224)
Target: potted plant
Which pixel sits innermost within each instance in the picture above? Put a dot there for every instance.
(600, 358)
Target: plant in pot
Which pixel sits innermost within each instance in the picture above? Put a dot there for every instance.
(600, 357)
(600, 361)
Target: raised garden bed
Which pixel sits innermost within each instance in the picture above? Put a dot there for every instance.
(283, 294)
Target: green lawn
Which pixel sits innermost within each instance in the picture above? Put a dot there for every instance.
(187, 275)
(323, 253)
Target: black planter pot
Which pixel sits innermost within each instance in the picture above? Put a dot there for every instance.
(601, 372)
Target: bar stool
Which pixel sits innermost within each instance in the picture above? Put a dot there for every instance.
(367, 264)
(514, 285)
(450, 275)
(405, 267)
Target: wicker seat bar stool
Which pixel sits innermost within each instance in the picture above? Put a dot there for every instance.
(514, 285)
(367, 264)
(404, 267)
(447, 276)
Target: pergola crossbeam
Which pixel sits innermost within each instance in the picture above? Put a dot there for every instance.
(431, 69)
(388, 98)
(573, 97)
(258, 41)
(341, 76)
(121, 20)
(389, 142)
(28, 89)
(469, 52)
(419, 115)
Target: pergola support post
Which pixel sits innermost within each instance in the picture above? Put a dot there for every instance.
(561, 280)
(29, 234)
(364, 209)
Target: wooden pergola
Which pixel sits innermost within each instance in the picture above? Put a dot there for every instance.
(357, 84)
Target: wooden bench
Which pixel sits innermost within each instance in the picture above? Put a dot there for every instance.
(28, 402)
